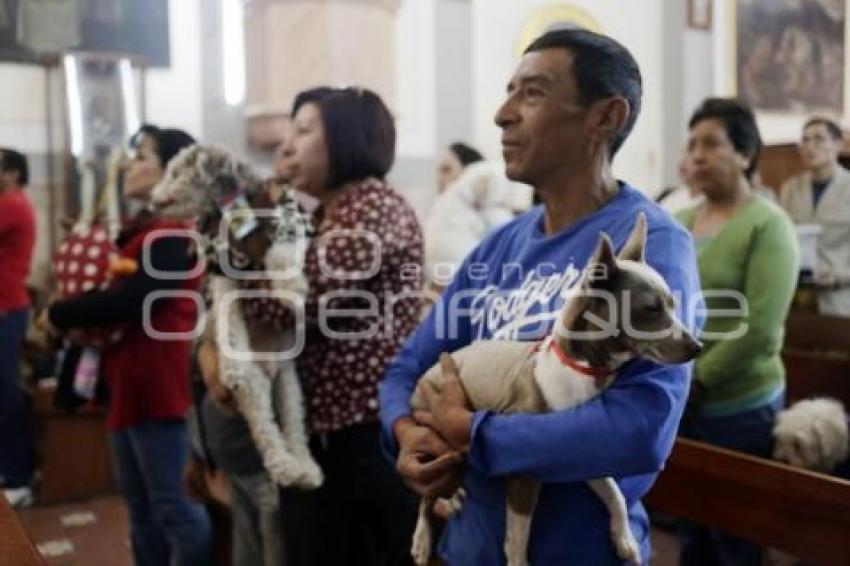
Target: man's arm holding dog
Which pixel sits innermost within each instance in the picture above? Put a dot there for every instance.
(428, 464)
(628, 430)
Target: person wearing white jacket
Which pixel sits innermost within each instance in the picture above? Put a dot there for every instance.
(481, 199)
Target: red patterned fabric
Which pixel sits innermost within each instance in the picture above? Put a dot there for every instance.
(81, 264)
(368, 244)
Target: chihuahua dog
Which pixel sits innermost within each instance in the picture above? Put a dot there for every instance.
(568, 368)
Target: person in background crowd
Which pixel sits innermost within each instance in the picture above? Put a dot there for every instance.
(454, 160)
(224, 443)
(821, 195)
(363, 268)
(673, 199)
(152, 149)
(763, 190)
(17, 240)
(257, 527)
(745, 245)
(148, 378)
(478, 201)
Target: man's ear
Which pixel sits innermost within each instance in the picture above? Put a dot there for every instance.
(610, 115)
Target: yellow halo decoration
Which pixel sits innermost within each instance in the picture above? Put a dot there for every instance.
(544, 17)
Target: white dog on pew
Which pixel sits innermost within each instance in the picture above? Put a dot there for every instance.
(812, 434)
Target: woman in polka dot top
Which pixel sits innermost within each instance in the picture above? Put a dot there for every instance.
(364, 272)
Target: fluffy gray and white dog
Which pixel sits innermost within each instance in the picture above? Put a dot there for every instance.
(248, 236)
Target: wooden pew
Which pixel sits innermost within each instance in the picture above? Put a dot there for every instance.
(779, 162)
(16, 548)
(817, 357)
(815, 375)
(797, 511)
(75, 459)
(817, 333)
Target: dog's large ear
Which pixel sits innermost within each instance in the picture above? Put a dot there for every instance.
(635, 247)
(831, 441)
(600, 266)
(602, 263)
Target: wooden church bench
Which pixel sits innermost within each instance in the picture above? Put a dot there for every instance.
(16, 547)
(797, 511)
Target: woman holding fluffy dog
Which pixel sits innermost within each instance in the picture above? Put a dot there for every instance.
(363, 268)
(148, 378)
(747, 245)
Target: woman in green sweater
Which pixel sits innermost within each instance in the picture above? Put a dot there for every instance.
(748, 261)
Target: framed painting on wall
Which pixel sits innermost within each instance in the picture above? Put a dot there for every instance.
(104, 106)
(34, 30)
(788, 57)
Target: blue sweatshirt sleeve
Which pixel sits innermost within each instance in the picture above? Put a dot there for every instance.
(445, 329)
(628, 430)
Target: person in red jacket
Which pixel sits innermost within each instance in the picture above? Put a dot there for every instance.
(17, 239)
(148, 370)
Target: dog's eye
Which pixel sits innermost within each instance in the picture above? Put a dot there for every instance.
(654, 307)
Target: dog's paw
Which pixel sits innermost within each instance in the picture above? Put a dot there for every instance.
(626, 545)
(515, 554)
(311, 476)
(454, 504)
(516, 559)
(282, 476)
(421, 549)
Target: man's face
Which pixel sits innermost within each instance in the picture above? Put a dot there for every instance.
(543, 125)
(818, 148)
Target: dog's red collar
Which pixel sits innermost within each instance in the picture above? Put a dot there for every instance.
(550, 343)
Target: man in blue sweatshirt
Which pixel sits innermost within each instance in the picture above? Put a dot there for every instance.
(570, 105)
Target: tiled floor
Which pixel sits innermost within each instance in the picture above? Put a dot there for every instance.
(104, 542)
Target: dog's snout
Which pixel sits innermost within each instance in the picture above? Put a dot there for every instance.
(696, 348)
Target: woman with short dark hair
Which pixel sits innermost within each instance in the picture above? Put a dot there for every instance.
(748, 259)
(362, 267)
